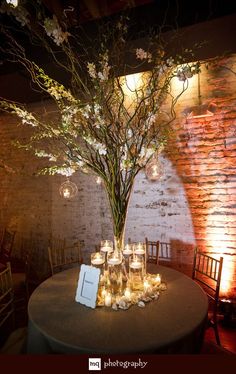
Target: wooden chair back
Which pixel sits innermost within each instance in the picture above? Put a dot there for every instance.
(164, 251)
(6, 245)
(152, 251)
(21, 273)
(6, 295)
(62, 255)
(207, 271)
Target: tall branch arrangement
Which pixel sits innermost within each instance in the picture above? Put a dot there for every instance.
(106, 124)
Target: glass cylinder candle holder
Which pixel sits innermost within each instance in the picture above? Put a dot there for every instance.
(127, 251)
(140, 251)
(106, 246)
(136, 273)
(97, 259)
(114, 262)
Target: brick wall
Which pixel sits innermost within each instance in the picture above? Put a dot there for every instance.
(194, 203)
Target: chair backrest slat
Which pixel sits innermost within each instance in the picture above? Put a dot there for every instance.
(164, 251)
(207, 270)
(152, 251)
(6, 295)
(63, 255)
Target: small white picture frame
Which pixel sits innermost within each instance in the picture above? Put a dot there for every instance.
(87, 289)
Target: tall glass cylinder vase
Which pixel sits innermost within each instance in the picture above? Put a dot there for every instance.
(136, 273)
(114, 262)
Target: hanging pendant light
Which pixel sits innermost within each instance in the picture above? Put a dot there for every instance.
(68, 189)
(154, 169)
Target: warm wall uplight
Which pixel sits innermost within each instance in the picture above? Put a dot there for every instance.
(219, 243)
(190, 85)
(132, 83)
(133, 86)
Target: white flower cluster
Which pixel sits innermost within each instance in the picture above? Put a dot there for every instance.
(184, 73)
(103, 75)
(151, 119)
(68, 114)
(143, 55)
(42, 153)
(94, 114)
(54, 30)
(86, 111)
(59, 92)
(25, 116)
(125, 161)
(67, 171)
(92, 69)
(101, 148)
(145, 155)
(20, 13)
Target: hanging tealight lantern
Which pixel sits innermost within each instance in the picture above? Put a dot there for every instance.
(98, 180)
(154, 169)
(68, 189)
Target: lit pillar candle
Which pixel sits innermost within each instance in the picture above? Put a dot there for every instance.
(127, 293)
(146, 285)
(114, 259)
(104, 292)
(128, 250)
(97, 258)
(139, 249)
(66, 193)
(106, 246)
(107, 299)
(158, 279)
(135, 264)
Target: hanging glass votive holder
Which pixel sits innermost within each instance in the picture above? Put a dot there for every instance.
(136, 272)
(114, 262)
(140, 251)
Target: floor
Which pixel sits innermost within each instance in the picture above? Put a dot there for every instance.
(227, 337)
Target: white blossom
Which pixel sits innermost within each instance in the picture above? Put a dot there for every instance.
(42, 153)
(102, 150)
(143, 55)
(54, 30)
(184, 73)
(91, 69)
(104, 75)
(67, 171)
(26, 117)
(151, 119)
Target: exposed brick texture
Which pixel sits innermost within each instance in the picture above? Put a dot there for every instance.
(194, 203)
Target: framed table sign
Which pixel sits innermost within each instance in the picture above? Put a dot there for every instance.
(87, 289)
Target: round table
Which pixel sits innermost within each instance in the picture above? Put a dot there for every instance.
(174, 323)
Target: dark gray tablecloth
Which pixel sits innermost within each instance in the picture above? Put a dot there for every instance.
(172, 324)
